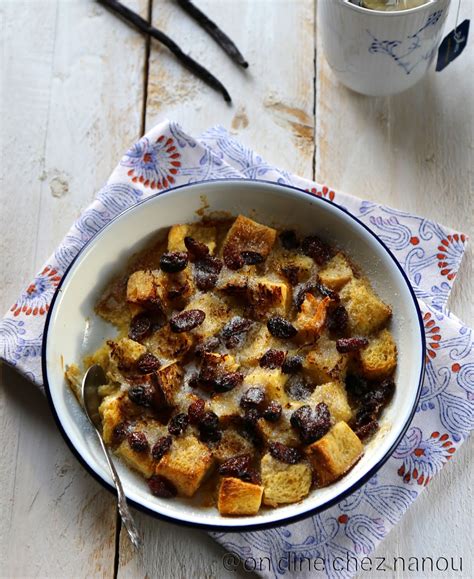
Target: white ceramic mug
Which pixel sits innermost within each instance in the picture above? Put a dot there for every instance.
(378, 52)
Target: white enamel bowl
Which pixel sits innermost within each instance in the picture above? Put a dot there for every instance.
(73, 329)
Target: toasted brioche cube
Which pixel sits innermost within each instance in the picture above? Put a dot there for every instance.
(186, 464)
(235, 282)
(284, 483)
(232, 444)
(335, 453)
(295, 268)
(258, 341)
(140, 461)
(379, 358)
(334, 395)
(336, 273)
(280, 431)
(367, 313)
(168, 345)
(248, 235)
(179, 287)
(237, 497)
(267, 296)
(217, 311)
(170, 379)
(111, 414)
(324, 363)
(226, 405)
(206, 234)
(310, 319)
(126, 352)
(272, 381)
(144, 286)
(74, 377)
(219, 362)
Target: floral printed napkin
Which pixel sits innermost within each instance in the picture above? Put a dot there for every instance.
(429, 253)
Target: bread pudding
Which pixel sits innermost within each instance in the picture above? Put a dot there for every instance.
(250, 367)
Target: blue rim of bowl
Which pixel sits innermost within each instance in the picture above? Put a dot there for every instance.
(248, 527)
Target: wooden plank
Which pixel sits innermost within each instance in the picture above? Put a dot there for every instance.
(71, 74)
(412, 151)
(273, 100)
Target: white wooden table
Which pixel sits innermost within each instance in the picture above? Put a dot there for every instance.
(78, 86)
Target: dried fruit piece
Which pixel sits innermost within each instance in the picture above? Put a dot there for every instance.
(228, 381)
(148, 363)
(311, 425)
(178, 424)
(209, 345)
(234, 331)
(235, 466)
(284, 453)
(138, 441)
(346, 345)
(197, 250)
(272, 412)
(337, 320)
(356, 386)
(288, 239)
(209, 427)
(252, 476)
(298, 387)
(161, 447)
(196, 411)
(173, 261)
(367, 430)
(120, 432)
(233, 259)
(161, 487)
(373, 402)
(281, 328)
(253, 398)
(140, 327)
(272, 359)
(315, 248)
(252, 257)
(292, 364)
(187, 320)
(141, 394)
(207, 272)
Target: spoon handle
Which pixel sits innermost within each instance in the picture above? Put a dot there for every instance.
(122, 505)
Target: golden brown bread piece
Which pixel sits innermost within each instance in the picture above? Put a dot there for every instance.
(126, 352)
(237, 497)
(334, 395)
(379, 359)
(248, 235)
(335, 453)
(271, 381)
(311, 317)
(284, 483)
(367, 312)
(206, 234)
(336, 273)
(186, 464)
(324, 363)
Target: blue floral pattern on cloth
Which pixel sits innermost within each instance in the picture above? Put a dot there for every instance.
(429, 253)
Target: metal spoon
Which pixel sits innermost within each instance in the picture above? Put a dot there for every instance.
(93, 378)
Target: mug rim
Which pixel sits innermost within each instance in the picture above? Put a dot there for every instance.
(387, 13)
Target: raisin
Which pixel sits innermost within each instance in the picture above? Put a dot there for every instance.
(148, 363)
(196, 411)
(162, 487)
(252, 476)
(120, 432)
(208, 345)
(252, 257)
(140, 327)
(210, 435)
(367, 430)
(281, 328)
(337, 320)
(298, 387)
(289, 240)
(233, 259)
(356, 386)
(272, 412)
(141, 394)
(291, 273)
(284, 453)
(315, 248)
(234, 331)
(173, 261)
(251, 415)
(178, 424)
(311, 425)
(161, 447)
(235, 466)
(186, 321)
(292, 364)
(209, 421)
(272, 359)
(207, 272)
(197, 250)
(346, 345)
(253, 398)
(194, 381)
(138, 441)
(228, 381)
